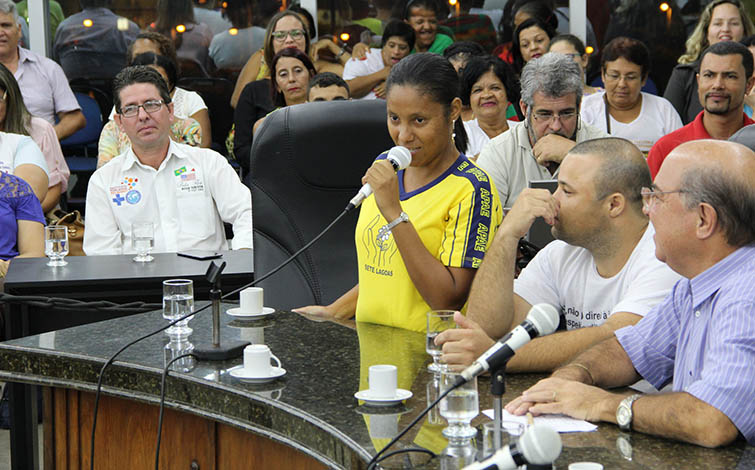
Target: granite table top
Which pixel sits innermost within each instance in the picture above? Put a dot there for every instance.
(312, 407)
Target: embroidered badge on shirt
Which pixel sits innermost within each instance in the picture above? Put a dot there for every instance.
(126, 187)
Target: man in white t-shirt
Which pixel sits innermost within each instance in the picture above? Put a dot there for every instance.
(186, 192)
(366, 77)
(601, 272)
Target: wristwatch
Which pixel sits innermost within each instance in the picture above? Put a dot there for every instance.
(386, 229)
(624, 413)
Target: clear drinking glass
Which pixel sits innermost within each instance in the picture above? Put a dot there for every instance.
(56, 244)
(509, 434)
(459, 407)
(143, 240)
(178, 347)
(437, 321)
(178, 300)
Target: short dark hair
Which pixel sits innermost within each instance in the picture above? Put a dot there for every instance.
(431, 5)
(164, 44)
(576, 43)
(463, 50)
(398, 29)
(749, 41)
(435, 77)
(629, 49)
(623, 168)
(730, 48)
(479, 66)
(278, 99)
(326, 79)
(138, 74)
(150, 58)
(528, 23)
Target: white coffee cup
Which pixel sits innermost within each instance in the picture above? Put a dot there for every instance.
(383, 380)
(257, 360)
(251, 300)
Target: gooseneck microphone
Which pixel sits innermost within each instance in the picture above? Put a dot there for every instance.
(400, 158)
(541, 320)
(539, 445)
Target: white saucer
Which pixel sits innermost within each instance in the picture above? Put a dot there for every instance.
(400, 396)
(242, 374)
(234, 312)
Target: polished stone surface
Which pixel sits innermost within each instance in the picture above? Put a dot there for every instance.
(312, 407)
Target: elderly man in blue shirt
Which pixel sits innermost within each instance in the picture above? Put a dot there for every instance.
(703, 335)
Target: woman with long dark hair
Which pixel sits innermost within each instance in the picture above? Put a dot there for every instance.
(423, 234)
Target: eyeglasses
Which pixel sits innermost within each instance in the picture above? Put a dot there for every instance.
(649, 196)
(295, 34)
(150, 107)
(615, 77)
(547, 116)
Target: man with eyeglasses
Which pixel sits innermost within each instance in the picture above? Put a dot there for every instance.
(601, 272)
(701, 336)
(533, 149)
(186, 192)
(723, 81)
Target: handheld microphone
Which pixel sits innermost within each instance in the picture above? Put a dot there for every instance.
(539, 445)
(400, 158)
(541, 320)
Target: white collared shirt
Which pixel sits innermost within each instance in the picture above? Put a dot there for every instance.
(188, 198)
(509, 160)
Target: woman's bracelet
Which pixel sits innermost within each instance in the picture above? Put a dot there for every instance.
(341, 53)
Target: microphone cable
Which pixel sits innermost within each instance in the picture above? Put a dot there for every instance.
(111, 359)
(162, 405)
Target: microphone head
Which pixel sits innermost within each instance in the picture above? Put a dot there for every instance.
(400, 156)
(540, 445)
(544, 317)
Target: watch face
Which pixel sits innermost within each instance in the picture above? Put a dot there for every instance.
(623, 415)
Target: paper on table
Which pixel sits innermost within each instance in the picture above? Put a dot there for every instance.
(559, 423)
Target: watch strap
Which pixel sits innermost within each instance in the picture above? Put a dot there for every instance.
(626, 403)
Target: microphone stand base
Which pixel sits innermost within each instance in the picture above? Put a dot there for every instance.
(223, 352)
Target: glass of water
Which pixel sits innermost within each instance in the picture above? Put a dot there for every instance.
(142, 240)
(178, 301)
(56, 244)
(459, 407)
(437, 322)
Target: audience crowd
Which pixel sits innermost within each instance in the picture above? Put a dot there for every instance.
(652, 215)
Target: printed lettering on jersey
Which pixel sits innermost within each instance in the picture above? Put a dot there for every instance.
(5, 167)
(188, 180)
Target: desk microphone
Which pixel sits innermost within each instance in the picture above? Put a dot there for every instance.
(541, 320)
(400, 158)
(539, 445)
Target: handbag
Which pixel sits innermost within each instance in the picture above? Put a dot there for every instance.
(75, 224)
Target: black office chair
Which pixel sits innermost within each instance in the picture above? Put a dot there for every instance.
(307, 163)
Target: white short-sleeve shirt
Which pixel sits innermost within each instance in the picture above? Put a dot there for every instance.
(565, 276)
(657, 118)
(508, 159)
(16, 149)
(359, 68)
(188, 198)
